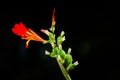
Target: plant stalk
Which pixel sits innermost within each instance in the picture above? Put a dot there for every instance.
(64, 72)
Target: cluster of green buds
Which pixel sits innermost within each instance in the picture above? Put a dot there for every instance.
(63, 58)
(57, 52)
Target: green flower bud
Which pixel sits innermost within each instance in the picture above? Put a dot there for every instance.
(51, 37)
(69, 51)
(62, 54)
(68, 59)
(62, 33)
(59, 40)
(75, 63)
(55, 50)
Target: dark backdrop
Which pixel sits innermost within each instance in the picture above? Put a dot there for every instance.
(88, 31)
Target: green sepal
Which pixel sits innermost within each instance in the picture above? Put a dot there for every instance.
(70, 67)
(53, 55)
(54, 52)
(46, 42)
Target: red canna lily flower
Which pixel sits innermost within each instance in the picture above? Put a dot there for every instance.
(19, 29)
(53, 17)
(26, 33)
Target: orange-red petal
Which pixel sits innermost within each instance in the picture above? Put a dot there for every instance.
(53, 17)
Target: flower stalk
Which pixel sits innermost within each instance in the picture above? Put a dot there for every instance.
(64, 72)
(64, 59)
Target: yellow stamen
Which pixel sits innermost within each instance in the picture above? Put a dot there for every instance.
(27, 43)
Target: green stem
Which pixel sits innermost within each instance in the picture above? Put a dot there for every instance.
(64, 72)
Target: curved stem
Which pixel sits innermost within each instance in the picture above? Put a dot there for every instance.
(64, 72)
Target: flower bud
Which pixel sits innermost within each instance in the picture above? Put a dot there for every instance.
(47, 52)
(62, 54)
(68, 59)
(69, 51)
(62, 33)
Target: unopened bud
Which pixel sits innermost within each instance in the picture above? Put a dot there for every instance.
(63, 38)
(69, 50)
(62, 33)
(47, 53)
(45, 31)
(75, 63)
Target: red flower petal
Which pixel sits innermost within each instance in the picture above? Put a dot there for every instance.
(19, 29)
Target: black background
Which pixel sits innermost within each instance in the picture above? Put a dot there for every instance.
(88, 31)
